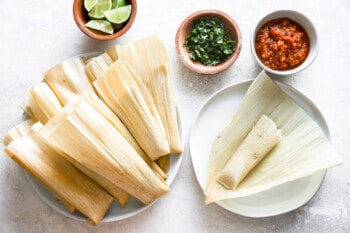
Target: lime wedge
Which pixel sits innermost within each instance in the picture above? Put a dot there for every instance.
(100, 25)
(97, 11)
(121, 3)
(118, 3)
(118, 15)
(89, 4)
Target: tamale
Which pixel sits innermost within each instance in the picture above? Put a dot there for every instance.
(84, 135)
(164, 163)
(112, 53)
(64, 180)
(120, 195)
(303, 150)
(97, 65)
(103, 109)
(149, 57)
(256, 145)
(123, 91)
(41, 102)
(18, 131)
(68, 80)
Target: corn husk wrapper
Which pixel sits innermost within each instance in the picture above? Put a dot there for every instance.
(255, 146)
(304, 149)
(149, 57)
(96, 66)
(118, 193)
(164, 164)
(113, 52)
(41, 103)
(124, 92)
(72, 187)
(102, 108)
(68, 80)
(18, 131)
(92, 142)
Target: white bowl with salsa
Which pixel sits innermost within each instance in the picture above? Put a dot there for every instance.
(284, 42)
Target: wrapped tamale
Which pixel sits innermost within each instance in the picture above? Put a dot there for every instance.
(17, 131)
(41, 103)
(64, 180)
(68, 80)
(92, 142)
(256, 145)
(102, 108)
(97, 65)
(149, 57)
(124, 92)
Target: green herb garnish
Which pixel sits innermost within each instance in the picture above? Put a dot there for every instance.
(209, 41)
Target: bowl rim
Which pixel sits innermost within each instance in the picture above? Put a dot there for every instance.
(78, 6)
(303, 20)
(196, 66)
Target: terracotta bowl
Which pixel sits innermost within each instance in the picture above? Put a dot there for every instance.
(184, 30)
(81, 18)
(308, 26)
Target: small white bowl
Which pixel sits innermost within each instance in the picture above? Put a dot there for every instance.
(309, 27)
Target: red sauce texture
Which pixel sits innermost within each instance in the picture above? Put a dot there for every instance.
(282, 44)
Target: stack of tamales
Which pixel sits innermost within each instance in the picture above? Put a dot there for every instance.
(97, 131)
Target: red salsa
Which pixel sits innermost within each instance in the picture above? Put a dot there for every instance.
(282, 44)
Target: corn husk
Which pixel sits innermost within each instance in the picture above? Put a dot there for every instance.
(304, 149)
(123, 91)
(18, 131)
(113, 53)
(97, 65)
(70, 185)
(68, 80)
(41, 103)
(255, 146)
(164, 164)
(149, 57)
(102, 108)
(84, 135)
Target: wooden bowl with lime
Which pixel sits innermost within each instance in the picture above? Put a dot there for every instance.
(104, 19)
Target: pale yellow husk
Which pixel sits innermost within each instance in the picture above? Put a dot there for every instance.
(72, 187)
(85, 136)
(124, 92)
(18, 131)
(97, 65)
(149, 57)
(304, 149)
(102, 108)
(68, 80)
(41, 103)
(256, 145)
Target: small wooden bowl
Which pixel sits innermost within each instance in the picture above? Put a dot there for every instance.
(81, 18)
(184, 30)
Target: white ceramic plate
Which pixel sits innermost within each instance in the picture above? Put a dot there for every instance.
(115, 212)
(216, 112)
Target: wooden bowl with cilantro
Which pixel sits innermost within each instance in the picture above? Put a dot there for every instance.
(208, 41)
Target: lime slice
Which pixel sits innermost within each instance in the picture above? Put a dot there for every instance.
(121, 3)
(118, 15)
(118, 3)
(89, 4)
(97, 11)
(100, 25)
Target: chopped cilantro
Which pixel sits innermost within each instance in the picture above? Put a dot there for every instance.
(209, 41)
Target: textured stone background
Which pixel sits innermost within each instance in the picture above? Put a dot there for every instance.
(36, 35)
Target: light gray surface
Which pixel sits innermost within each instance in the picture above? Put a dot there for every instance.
(36, 35)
